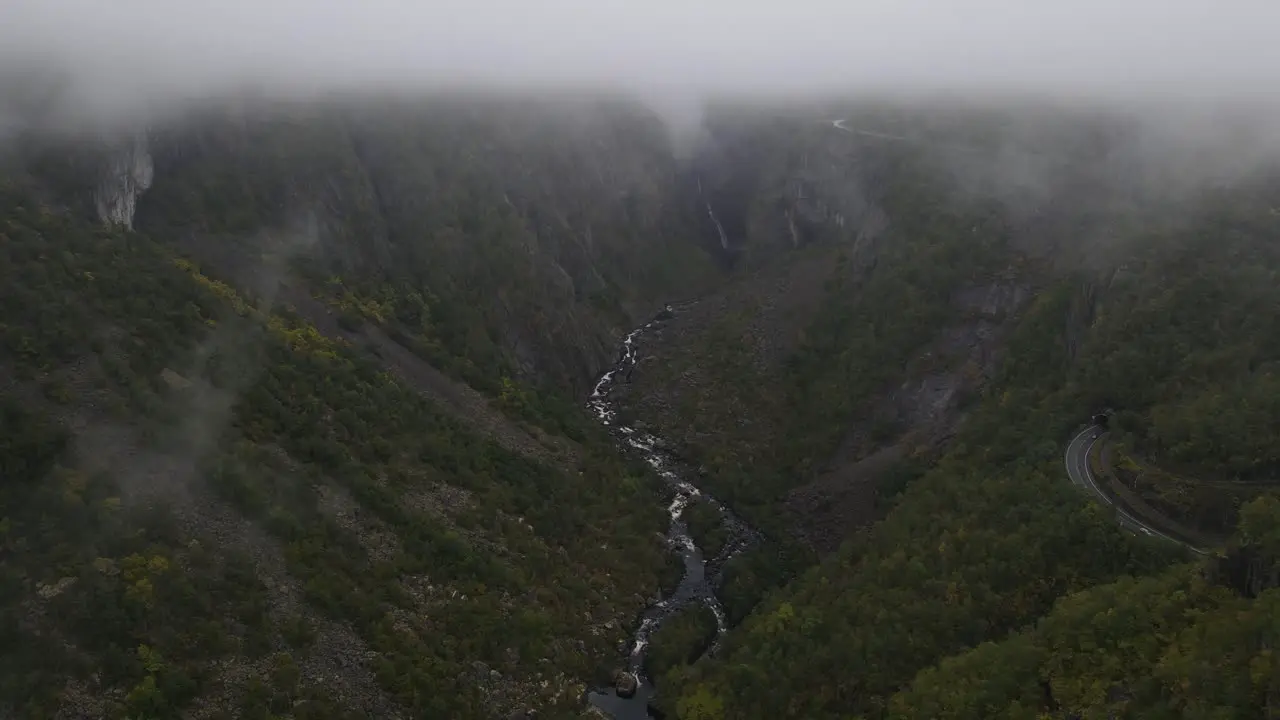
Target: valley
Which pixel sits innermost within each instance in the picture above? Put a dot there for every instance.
(496, 406)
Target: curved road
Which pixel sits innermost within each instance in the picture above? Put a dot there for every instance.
(1077, 460)
(1080, 447)
(840, 125)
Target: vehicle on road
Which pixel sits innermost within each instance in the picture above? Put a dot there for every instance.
(1078, 470)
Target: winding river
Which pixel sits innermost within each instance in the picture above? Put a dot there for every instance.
(702, 577)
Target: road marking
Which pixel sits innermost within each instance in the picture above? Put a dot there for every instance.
(1079, 466)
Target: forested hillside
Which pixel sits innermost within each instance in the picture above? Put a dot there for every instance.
(991, 540)
(507, 236)
(1175, 645)
(878, 277)
(232, 489)
(298, 431)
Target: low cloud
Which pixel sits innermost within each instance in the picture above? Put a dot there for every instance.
(169, 48)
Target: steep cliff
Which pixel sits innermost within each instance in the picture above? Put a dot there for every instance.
(870, 298)
(127, 174)
(782, 181)
(535, 231)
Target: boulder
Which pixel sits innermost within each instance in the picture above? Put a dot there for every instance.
(51, 590)
(174, 380)
(625, 684)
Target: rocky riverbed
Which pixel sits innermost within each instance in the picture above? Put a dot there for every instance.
(629, 698)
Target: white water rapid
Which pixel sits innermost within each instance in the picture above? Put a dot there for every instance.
(701, 576)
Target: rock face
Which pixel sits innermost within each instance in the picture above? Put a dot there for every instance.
(52, 590)
(924, 410)
(1248, 570)
(535, 234)
(625, 684)
(823, 226)
(174, 380)
(819, 188)
(128, 174)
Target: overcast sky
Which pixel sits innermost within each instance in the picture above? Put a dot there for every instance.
(1179, 46)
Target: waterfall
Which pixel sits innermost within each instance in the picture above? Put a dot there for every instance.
(724, 239)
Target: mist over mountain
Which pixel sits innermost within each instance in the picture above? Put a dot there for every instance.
(713, 361)
(1185, 79)
(1133, 49)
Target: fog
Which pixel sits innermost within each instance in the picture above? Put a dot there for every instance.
(1195, 72)
(165, 48)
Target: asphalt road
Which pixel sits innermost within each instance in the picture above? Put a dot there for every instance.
(1077, 460)
(840, 125)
